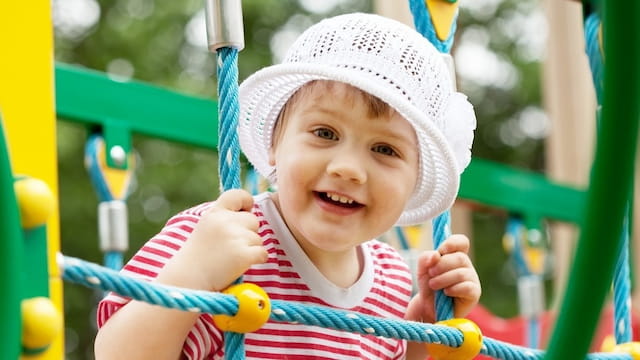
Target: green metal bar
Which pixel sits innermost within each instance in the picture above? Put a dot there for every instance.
(123, 108)
(11, 250)
(522, 192)
(91, 97)
(611, 180)
(36, 273)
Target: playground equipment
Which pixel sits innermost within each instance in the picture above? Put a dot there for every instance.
(481, 182)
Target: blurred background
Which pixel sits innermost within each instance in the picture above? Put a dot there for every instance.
(499, 49)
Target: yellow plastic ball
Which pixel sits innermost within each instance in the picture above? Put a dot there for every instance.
(471, 342)
(35, 200)
(254, 309)
(41, 323)
(608, 344)
(631, 348)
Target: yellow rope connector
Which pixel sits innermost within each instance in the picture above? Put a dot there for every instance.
(471, 342)
(254, 309)
(631, 348)
(442, 14)
(36, 201)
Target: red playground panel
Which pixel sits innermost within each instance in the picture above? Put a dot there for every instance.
(514, 330)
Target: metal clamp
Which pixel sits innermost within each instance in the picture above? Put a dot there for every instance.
(224, 24)
(113, 226)
(531, 296)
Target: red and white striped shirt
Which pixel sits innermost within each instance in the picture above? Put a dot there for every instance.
(383, 289)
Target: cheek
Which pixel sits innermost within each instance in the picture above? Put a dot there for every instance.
(400, 189)
(290, 168)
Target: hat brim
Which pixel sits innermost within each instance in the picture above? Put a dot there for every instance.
(265, 92)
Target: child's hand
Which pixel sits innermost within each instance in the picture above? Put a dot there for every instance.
(448, 269)
(223, 245)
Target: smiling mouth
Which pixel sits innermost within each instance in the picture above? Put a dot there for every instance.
(338, 200)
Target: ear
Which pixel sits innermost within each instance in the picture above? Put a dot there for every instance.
(272, 156)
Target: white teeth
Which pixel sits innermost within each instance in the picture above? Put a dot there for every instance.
(339, 198)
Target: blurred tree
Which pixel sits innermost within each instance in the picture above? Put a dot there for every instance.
(497, 52)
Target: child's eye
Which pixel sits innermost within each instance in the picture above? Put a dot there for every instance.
(384, 150)
(325, 133)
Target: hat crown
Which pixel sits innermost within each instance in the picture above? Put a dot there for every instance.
(382, 49)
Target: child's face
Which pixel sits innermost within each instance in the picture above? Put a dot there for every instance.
(344, 174)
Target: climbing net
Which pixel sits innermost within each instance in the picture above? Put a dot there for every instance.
(623, 134)
(98, 277)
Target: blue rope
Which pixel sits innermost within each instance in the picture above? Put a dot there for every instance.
(513, 229)
(622, 290)
(594, 52)
(91, 150)
(441, 231)
(533, 332)
(228, 147)
(229, 153)
(113, 260)
(441, 224)
(98, 277)
(402, 238)
(622, 278)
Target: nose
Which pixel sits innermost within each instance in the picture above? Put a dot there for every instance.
(348, 166)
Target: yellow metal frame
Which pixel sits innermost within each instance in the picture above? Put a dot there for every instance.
(27, 104)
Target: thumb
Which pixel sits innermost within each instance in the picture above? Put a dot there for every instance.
(235, 200)
(426, 261)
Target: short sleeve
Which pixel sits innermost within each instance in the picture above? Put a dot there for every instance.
(204, 339)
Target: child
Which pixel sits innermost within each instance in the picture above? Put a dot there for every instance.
(359, 129)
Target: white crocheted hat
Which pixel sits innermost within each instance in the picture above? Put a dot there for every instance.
(389, 60)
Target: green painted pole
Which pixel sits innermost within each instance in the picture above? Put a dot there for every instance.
(11, 250)
(611, 179)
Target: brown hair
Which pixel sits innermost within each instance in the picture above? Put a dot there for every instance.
(375, 105)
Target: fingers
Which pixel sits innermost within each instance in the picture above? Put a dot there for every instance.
(453, 277)
(450, 262)
(449, 269)
(257, 254)
(453, 258)
(251, 239)
(234, 207)
(455, 243)
(235, 200)
(464, 290)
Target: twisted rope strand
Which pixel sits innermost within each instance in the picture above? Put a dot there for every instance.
(229, 153)
(594, 52)
(441, 224)
(95, 276)
(441, 231)
(622, 290)
(228, 148)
